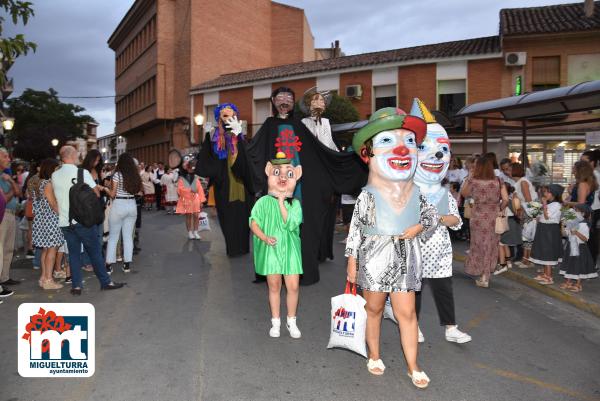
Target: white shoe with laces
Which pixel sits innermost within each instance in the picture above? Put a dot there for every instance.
(275, 327)
(197, 235)
(454, 335)
(421, 337)
(293, 328)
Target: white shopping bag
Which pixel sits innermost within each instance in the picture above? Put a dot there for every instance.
(203, 224)
(348, 322)
(388, 312)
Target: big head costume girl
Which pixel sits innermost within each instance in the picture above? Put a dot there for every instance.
(434, 159)
(389, 204)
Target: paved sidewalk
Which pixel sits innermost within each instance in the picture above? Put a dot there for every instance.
(587, 300)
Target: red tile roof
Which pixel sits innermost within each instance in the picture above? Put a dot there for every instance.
(468, 47)
(549, 19)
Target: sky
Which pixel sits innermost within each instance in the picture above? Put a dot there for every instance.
(74, 58)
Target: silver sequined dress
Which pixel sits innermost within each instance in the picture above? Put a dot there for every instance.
(384, 262)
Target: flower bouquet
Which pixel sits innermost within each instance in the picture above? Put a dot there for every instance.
(533, 209)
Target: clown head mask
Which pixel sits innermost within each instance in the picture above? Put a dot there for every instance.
(282, 176)
(282, 100)
(389, 144)
(434, 152)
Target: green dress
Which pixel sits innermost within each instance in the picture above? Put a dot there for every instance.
(285, 257)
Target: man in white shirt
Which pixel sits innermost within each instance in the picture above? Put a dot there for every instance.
(77, 234)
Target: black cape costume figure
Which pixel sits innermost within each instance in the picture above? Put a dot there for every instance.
(233, 200)
(325, 172)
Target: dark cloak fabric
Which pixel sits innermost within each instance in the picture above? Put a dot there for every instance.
(233, 216)
(324, 172)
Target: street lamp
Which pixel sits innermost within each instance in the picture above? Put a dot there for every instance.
(198, 120)
(8, 123)
(54, 142)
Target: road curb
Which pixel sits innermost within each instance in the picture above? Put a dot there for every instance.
(555, 293)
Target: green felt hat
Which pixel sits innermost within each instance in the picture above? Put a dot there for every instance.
(386, 119)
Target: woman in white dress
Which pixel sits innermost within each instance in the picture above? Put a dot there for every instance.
(169, 182)
(525, 192)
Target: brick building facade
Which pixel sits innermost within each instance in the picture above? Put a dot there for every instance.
(164, 47)
(553, 45)
(174, 61)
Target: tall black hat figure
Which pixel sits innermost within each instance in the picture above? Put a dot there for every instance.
(325, 172)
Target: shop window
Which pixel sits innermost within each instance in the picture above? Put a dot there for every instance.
(385, 96)
(451, 98)
(262, 110)
(545, 73)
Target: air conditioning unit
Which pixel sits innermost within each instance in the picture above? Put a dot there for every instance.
(513, 59)
(354, 91)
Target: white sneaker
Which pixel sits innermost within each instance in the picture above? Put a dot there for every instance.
(275, 327)
(197, 235)
(500, 269)
(421, 337)
(292, 328)
(191, 235)
(454, 335)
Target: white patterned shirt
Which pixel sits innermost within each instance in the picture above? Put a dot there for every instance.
(436, 251)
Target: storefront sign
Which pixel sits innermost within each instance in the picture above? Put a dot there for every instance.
(592, 138)
(559, 155)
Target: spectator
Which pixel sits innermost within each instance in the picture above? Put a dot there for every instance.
(126, 182)
(526, 193)
(593, 157)
(547, 247)
(94, 163)
(169, 183)
(490, 198)
(148, 187)
(76, 234)
(158, 172)
(47, 235)
(455, 170)
(12, 192)
(585, 185)
(506, 172)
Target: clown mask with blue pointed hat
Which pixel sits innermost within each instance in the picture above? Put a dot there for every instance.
(434, 152)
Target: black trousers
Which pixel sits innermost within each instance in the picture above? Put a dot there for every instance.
(158, 193)
(443, 296)
(594, 235)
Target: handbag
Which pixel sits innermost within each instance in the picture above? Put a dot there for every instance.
(29, 209)
(467, 209)
(501, 224)
(348, 322)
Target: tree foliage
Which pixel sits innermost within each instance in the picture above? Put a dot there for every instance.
(341, 110)
(13, 47)
(40, 117)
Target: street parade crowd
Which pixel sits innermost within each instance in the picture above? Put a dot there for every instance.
(397, 190)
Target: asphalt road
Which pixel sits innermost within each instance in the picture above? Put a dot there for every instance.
(191, 326)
